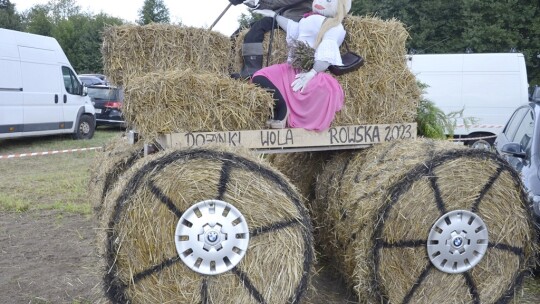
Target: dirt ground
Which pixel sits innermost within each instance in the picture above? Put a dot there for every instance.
(49, 257)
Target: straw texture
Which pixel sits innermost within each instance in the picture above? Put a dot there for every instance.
(131, 50)
(141, 213)
(187, 100)
(110, 163)
(383, 90)
(378, 206)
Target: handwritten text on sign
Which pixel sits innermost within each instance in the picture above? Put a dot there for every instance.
(290, 138)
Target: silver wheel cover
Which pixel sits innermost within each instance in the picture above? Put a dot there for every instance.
(457, 241)
(211, 237)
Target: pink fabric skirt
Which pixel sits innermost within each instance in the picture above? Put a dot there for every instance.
(313, 109)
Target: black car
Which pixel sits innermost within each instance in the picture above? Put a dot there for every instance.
(519, 144)
(107, 101)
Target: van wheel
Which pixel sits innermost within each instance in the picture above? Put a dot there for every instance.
(85, 128)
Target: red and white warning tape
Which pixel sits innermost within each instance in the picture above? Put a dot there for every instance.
(47, 152)
(480, 126)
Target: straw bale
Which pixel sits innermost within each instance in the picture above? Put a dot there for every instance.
(386, 199)
(301, 169)
(278, 52)
(132, 50)
(383, 90)
(142, 211)
(187, 100)
(111, 162)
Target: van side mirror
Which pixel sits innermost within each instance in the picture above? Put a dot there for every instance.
(513, 149)
(84, 90)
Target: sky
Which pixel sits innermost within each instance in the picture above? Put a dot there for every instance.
(198, 13)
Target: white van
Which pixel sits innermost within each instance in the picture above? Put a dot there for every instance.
(487, 87)
(40, 94)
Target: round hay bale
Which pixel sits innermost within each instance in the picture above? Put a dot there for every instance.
(301, 169)
(389, 199)
(327, 209)
(142, 262)
(116, 157)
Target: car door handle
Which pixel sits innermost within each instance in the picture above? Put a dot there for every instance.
(65, 98)
(55, 98)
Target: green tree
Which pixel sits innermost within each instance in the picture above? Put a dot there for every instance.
(9, 18)
(153, 11)
(63, 9)
(78, 33)
(81, 39)
(37, 21)
(438, 26)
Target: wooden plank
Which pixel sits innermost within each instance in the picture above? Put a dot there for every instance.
(356, 135)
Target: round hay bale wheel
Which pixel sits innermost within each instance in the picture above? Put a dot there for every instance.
(117, 157)
(204, 207)
(328, 210)
(399, 210)
(455, 228)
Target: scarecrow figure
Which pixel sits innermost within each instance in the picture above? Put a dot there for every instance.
(308, 98)
(252, 47)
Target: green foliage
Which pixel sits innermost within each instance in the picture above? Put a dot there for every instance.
(431, 121)
(77, 32)
(80, 37)
(434, 123)
(38, 22)
(438, 26)
(63, 9)
(9, 18)
(153, 11)
(302, 55)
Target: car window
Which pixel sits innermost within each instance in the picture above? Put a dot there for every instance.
(514, 123)
(104, 93)
(525, 131)
(72, 84)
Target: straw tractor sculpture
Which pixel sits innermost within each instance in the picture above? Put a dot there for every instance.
(403, 220)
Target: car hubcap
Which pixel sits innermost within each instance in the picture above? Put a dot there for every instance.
(457, 241)
(85, 128)
(211, 237)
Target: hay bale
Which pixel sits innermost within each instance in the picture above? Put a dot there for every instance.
(131, 50)
(278, 53)
(142, 264)
(187, 100)
(110, 163)
(383, 90)
(301, 169)
(389, 197)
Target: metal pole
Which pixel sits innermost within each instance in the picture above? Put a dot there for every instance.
(219, 17)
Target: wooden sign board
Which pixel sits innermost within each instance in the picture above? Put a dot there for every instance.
(271, 139)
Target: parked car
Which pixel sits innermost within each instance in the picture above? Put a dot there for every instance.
(519, 144)
(107, 101)
(535, 94)
(91, 80)
(101, 77)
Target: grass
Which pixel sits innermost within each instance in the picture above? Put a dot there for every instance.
(51, 182)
